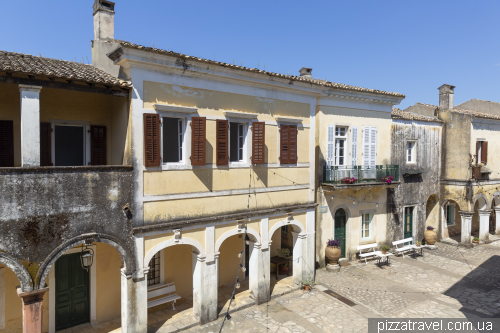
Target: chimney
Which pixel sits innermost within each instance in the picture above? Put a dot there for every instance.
(305, 72)
(104, 20)
(446, 96)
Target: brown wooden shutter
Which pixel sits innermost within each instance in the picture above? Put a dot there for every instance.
(258, 142)
(284, 131)
(477, 151)
(98, 145)
(292, 144)
(222, 142)
(45, 144)
(484, 152)
(198, 138)
(6, 143)
(151, 140)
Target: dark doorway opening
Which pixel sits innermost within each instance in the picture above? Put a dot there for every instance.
(340, 232)
(69, 145)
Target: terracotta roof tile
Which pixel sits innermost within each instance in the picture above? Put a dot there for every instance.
(28, 64)
(405, 115)
(256, 70)
(476, 114)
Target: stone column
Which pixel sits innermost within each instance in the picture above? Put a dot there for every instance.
(309, 244)
(134, 305)
(299, 256)
(484, 225)
(466, 227)
(497, 220)
(30, 125)
(205, 289)
(32, 309)
(259, 273)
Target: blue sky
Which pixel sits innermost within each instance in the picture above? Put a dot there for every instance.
(408, 47)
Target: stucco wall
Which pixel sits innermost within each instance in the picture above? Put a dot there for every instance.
(178, 268)
(457, 140)
(229, 261)
(489, 130)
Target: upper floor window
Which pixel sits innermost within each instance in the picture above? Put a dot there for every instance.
(481, 151)
(173, 139)
(411, 152)
(340, 145)
(237, 133)
(288, 144)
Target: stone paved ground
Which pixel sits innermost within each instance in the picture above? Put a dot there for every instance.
(448, 282)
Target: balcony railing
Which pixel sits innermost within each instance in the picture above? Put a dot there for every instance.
(361, 174)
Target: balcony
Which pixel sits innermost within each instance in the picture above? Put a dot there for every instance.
(341, 176)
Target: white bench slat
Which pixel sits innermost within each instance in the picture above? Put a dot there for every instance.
(371, 247)
(163, 300)
(406, 240)
(161, 291)
(368, 254)
(367, 246)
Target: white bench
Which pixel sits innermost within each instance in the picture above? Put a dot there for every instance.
(403, 248)
(371, 251)
(157, 290)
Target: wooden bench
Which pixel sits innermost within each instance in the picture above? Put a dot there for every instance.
(371, 251)
(403, 248)
(157, 290)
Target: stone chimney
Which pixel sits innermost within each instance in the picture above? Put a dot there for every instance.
(446, 96)
(104, 20)
(305, 72)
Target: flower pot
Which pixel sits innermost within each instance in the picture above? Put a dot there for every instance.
(476, 172)
(306, 288)
(284, 269)
(384, 252)
(418, 245)
(430, 237)
(332, 254)
(475, 241)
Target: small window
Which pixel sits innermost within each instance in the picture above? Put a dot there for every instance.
(450, 214)
(340, 145)
(173, 137)
(154, 270)
(411, 152)
(236, 142)
(366, 225)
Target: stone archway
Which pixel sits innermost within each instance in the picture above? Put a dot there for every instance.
(21, 272)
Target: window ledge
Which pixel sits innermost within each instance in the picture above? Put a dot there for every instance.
(240, 114)
(175, 108)
(288, 120)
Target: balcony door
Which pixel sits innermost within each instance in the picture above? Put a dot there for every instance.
(408, 225)
(340, 232)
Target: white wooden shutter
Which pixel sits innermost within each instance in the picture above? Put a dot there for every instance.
(354, 145)
(373, 146)
(366, 146)
(330, 146)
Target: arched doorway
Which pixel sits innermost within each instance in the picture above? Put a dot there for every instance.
(432, 216)
(11, 312)
(451, 220)
(339, 229)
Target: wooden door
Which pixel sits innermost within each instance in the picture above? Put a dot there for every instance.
(340, 233)
(72, 292)
(408, 231)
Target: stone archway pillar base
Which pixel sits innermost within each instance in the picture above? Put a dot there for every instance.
(32, 309)
(484, 225)
(134, 293)
(466, 239)
(497, 221)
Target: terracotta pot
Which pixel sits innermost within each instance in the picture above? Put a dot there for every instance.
(332, 254)
(418, 245)
(384, 252)
(306, 288)
(475, 241)
(430, 237)
(283, 268)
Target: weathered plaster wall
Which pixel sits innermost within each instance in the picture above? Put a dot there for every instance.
(481, 106)
(419, 191)
(108, 276)
(457, 140)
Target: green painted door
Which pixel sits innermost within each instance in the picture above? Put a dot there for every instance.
(340, 221)
(72, 292)
(408, 232)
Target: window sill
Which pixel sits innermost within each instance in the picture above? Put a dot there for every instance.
(232, 165)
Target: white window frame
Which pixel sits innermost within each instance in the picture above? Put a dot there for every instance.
(330, 145)
(413, 153)
(338, 139)
(446, 214)
(74, 123)
(370, 226)
(246, 145)
(184, 121)
(354, 145)
(479, 150)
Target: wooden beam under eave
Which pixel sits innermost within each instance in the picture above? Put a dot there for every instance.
(63, 85)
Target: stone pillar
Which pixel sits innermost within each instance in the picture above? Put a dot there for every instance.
(259, 273)
(309, 244)
(32, 310)
(205, 289)
(30, 125)
(299, 256)
(466, 227)
(484, 225)
(134, 304)
(497, 220)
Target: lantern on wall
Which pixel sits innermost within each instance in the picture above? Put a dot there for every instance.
(87, 258)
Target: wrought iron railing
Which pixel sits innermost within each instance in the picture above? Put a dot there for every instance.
(361, 174)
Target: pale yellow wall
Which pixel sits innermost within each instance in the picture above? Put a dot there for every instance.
(212, 102)
(490, 133)
(208, 180)
(186, 208)
(276, 243)
(178, 268)
(108, 277)
(61, 104)
(329, 115)
(229, 261)
(433, 211)
(152, 241)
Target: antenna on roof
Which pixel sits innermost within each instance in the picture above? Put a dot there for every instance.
(153, 44)
(257, 64)
(214, 56)
(233, 61)
(40, 54)
(88, 62)
(168, 47)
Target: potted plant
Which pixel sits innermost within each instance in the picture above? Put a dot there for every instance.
(419, 244)
(307, 284)
(475, 240)
(385, 248)
(348, 180)
(284, 253)
(333, 251)
(388, 179)
(430, 236)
